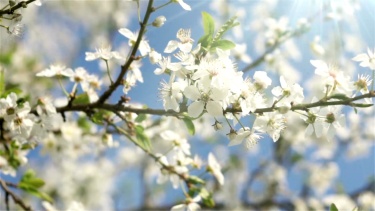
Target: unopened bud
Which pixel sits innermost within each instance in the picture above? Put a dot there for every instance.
(283, 109)
(217, 125)
(159, 21)
(12, 3)
(232, 134)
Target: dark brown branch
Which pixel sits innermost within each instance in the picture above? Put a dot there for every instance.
(16, 7)
(131, 58)
(162, 112)
(15, 198)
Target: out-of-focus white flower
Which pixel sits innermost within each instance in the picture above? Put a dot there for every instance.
(38, 3)
(76, 206)
(366, 60)
(362, 85)
(322, 176)
(179, 143)
(271, 123)
(48, 206)
(342, 201)
(215, 168)
(183, 4)
(190, 205)
(104, 53)
(90, 85)
(144, 47)
(333, 120)
(366, 200)
(240, 52)
(288, 93)
(56, 70)
(154, 56)
(316, 47)
(16, 30)
(165, 175)
(262, 81)
(333, 77)
(45, 105)
(251, 138)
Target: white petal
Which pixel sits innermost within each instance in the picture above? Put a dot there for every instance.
(90, 56)
(184, 5)
(360, 57)
(171, 46)
(192, 93)
(214, 109)
(127, 33)
(318, 130)
(158, 71)
(179, 207)
(195, 109)
(185, 47)
(309, 130)
(283, 82)
(277, 91)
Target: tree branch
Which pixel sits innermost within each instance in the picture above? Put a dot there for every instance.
(16, 7)
(15, 198)
(131, 58)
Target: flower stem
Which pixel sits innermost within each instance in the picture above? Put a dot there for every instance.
(109, 75)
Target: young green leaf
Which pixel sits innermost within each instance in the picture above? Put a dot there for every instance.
(140, 118)
(205, 40)
(227, 25)
(190, 125)
(2, 81)
(81, 99)
(142, 138)
(207, 198)
(223, 44)
(333, 207)
(208, 24)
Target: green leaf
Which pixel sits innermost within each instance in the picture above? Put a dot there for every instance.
(140, 118)
(223, 44)
(339, 96)
(28, 175)
(362, 105)
(2, 80)
(208, 24)
(195, 180)
(99, 116)
(190, 125)
(84, 124)
(333, 207)
(36, 182)
(207, 198)
(296, 158)
(205, 40)
(223, 29)
(142, 139)
(11, 89)
(81, 99)
(38, 194)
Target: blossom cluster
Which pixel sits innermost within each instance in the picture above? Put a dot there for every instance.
(209, 82)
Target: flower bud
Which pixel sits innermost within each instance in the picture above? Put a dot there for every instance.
(217, 125)
(283, 109)
(232, 134)
(159, 21)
